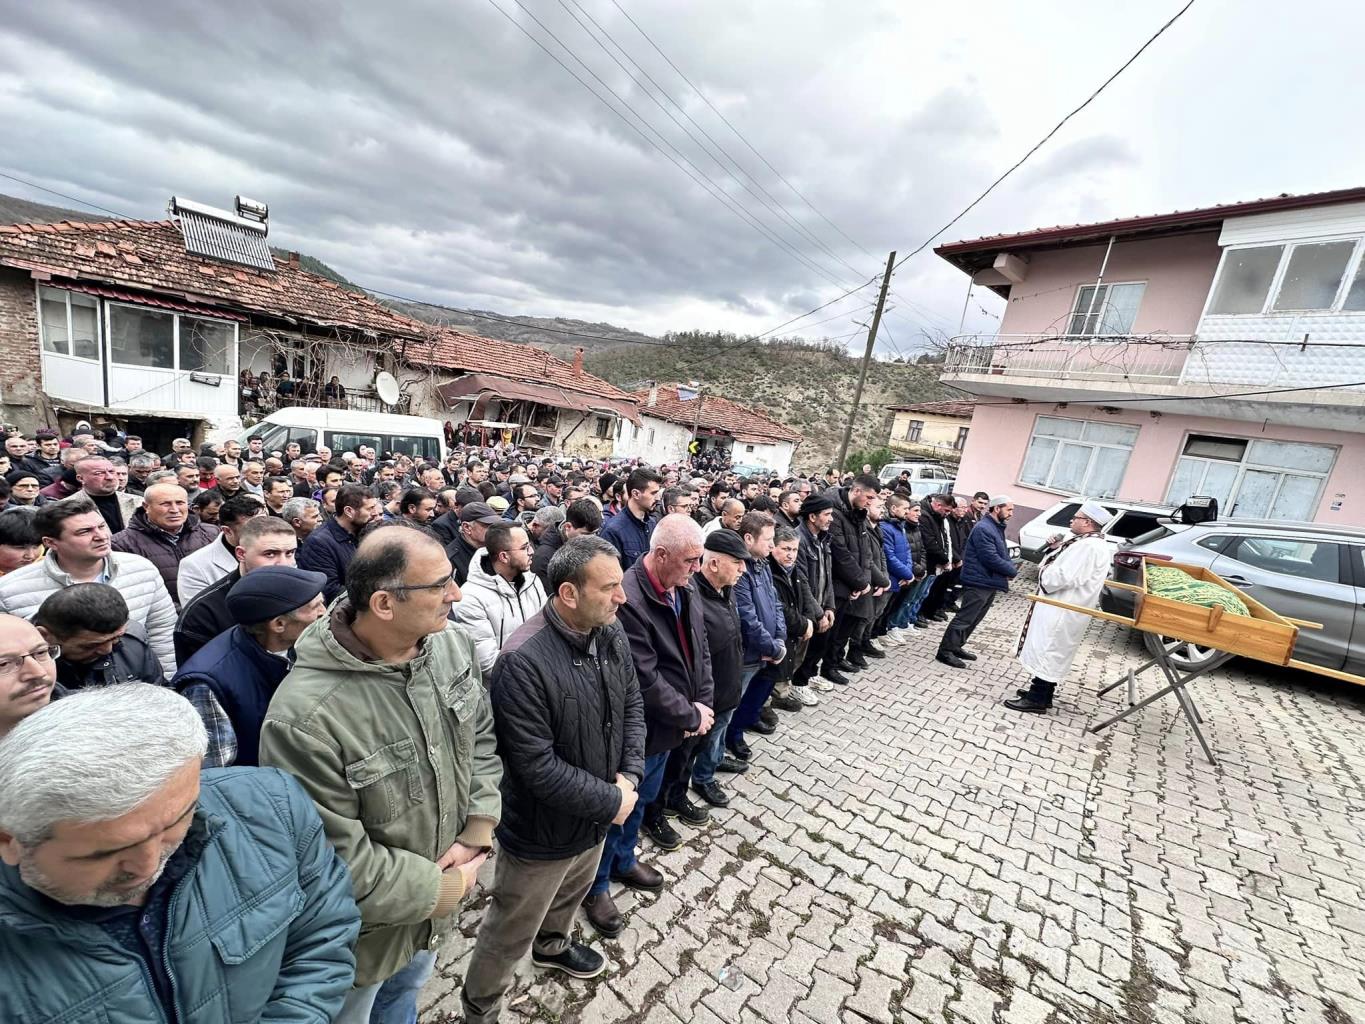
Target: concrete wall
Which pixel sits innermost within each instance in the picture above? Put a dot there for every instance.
(1000, 437)
(21, 398)
(1178, 272)
(776, 456)
(939, 431)
(655, 441)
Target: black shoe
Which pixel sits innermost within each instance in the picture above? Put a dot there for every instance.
(578, 961)
(641, 877)
(921, 623)
(664, 835)
(688, 813)
(712, 793)
(939, 617)
(1028, 704)
(768, 715)
(835, 676)
(603, 915)
(856, 659)
(761, 727)
(739, 748)
(733, 765)
(788, 703)
(844, 665)
(948, 658)
(870, 650)
(965, 655)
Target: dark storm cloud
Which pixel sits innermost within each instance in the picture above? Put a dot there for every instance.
(431, 149)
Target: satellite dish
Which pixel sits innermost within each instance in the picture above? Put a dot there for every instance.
(386, 387)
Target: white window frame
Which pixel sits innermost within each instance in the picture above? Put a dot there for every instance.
(70, 352)
(1243, 467)
(175, 334)
(1072, 312)
(1353, 264)
(1019, 479)
(961, 443)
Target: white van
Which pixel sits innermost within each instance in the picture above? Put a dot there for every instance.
(342, 430)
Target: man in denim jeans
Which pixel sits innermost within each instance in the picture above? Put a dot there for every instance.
(724, 563)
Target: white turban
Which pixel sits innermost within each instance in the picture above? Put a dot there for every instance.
(1095, 512)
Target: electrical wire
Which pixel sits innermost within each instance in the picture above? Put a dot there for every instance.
(1055, 129)
(62, 195)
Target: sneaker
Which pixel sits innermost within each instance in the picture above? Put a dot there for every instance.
(790, 702)
(807, 699)
(688, 813)
(819, 683)
(664, 835)
(577, 961)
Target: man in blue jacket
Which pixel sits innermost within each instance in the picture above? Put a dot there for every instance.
(630, 529)
(986, 571)
(764, 628)
(136, 887)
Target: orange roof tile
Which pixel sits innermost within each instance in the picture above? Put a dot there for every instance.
(717, 413)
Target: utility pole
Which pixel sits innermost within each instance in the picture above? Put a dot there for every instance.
(867, 360)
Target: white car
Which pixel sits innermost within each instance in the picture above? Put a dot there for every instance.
(1131, 519)
(925, 476)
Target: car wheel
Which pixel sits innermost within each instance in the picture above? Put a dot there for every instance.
(1186, 656)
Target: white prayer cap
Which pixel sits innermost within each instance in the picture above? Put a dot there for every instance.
(1000, 499)
(1095, 512)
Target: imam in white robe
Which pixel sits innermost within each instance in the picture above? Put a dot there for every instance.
(1052, 635)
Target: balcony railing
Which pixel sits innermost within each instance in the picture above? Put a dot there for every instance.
(1158, 360)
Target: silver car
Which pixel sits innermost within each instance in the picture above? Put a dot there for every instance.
(1301, 570)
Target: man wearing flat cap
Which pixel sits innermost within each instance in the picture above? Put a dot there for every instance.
(1074, 572)
(231, 679)
(475, 519)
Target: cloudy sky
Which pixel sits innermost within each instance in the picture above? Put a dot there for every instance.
(432, 149)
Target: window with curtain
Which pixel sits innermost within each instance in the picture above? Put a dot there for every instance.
(1111, 309)
(1253, 479)
(1078, 456)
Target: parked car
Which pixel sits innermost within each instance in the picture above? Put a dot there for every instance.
(1301, 570)
(933, 474)
(1131, 519)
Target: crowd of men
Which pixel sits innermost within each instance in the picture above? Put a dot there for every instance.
(262, 713)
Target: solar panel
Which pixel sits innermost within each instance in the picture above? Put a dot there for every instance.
(225, 240)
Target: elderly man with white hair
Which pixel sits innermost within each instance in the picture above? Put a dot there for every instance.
(1074, 571)
(136, 887)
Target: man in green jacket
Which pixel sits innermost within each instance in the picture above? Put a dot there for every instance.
(385, 721)
(136, 887)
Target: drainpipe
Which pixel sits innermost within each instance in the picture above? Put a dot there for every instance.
(1104, 265)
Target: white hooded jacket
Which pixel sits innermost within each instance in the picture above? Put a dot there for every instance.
(491, 609)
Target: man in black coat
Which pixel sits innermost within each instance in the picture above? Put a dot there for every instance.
(100, 647)
(851, 554)
(815, 562)
(723, 564)
(663, 620)
(939, 551)
(571, 730)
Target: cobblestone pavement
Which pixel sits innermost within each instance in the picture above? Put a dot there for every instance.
(912, 851)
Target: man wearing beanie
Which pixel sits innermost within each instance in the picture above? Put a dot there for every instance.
(231, 679)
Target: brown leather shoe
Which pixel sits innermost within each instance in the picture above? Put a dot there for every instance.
(603, 915)
(642, 877)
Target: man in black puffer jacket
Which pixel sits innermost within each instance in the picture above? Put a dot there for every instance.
(722, 565)
(851, 543)
(571, 731)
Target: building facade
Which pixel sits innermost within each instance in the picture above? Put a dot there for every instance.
(677, 422)
(1214, 352)
(933, 429)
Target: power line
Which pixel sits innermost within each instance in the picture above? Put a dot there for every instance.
(1056, 128)
(691, 170)
(63, 195)
(738, 134)
(1102, 402)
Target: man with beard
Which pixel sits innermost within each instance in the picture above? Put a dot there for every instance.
(986, 572)
(500, 593)
(121, 856)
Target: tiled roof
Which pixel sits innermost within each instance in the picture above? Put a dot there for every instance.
(963, 409)
(456, 350)
(149, 257)
(1149, 224)
(716, 414)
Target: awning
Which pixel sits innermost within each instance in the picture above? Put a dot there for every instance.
(148, 299)
(475, 386)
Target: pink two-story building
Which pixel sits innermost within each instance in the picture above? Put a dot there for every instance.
(1215, 352)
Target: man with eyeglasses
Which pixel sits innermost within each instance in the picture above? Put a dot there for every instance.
(385, 721)
(1074, 571)
(28, 671)
(500, 592)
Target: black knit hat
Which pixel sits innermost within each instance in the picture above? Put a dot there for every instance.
(814, 505)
